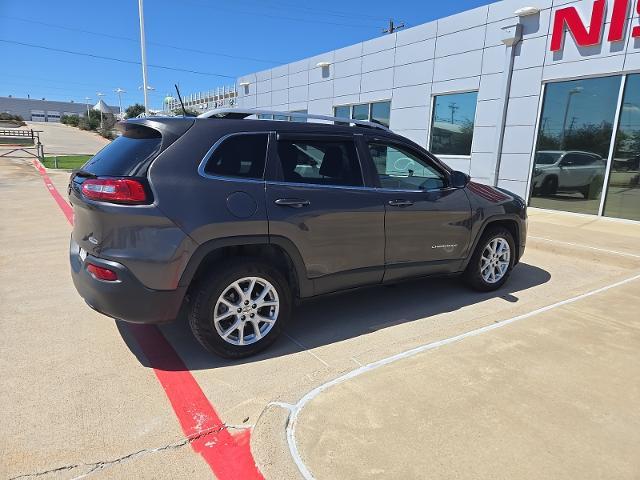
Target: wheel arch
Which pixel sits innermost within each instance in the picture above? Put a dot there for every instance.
(509, 222)
(278, 251)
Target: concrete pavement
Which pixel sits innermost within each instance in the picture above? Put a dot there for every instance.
(553, 395)
(78, 392)
(73, 395)
(61, 139)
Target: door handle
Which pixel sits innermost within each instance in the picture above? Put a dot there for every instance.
(400, 203)
(292, 202)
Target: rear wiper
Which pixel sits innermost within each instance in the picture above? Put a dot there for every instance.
(84, 173)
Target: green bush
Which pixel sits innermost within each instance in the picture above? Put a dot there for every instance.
(108, 134)
(92, 122)
(71, 120)
(16, 119)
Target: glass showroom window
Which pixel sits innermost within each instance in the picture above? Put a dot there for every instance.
(381, 113)
(299, 119)
(623, 192)
(378, 112)
(452, 123)
(574, 139)
(343, 111)
(360, 112)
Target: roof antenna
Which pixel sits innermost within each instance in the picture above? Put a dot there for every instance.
(184, 110)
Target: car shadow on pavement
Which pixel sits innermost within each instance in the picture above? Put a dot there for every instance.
(334, 318)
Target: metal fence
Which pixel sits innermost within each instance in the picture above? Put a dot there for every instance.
(23, 140)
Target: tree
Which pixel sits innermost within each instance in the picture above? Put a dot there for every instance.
(134, 110)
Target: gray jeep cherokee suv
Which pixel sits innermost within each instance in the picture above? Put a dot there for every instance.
(239, 218)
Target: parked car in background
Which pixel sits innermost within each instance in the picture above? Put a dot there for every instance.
(241, 218)
(568, 171)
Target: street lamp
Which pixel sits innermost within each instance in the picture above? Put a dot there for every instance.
(100, 95)
(572, 92)
(86, 99)
(120, 91)
(143, 52)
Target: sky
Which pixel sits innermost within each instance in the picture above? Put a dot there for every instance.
(56, 49)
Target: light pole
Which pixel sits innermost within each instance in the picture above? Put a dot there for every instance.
(100, 95)
(86, 99)
(120, 91)
(143, 51)
(572, 92)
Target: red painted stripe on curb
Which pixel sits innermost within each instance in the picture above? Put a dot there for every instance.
(62, 203)
(229, 456)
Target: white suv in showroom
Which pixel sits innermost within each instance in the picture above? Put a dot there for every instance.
(568, 171)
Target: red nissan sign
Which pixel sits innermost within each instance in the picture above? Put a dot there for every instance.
(588, 35)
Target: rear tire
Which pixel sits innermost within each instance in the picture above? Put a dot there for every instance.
(227, 315)
(494, 254)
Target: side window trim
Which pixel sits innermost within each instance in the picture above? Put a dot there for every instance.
(427, 158)
(317, 137)
(205, 160)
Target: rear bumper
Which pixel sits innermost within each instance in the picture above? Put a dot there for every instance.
(125, 299)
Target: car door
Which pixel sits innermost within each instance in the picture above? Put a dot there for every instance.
(577, 170)
(318, 201)
(427, 222)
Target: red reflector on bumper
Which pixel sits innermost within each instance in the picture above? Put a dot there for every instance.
(102, 273)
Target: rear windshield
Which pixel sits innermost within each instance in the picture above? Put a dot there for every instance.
(128, 155)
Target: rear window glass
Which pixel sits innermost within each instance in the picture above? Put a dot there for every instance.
(127, 155)
(239, 156)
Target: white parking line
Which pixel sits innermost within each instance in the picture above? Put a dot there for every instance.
(579, 245)
(297, 408)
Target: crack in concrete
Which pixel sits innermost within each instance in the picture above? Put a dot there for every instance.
(97, 466)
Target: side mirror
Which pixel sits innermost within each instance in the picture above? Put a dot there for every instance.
(459, 179)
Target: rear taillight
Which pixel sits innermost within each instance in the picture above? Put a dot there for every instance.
(115, 190)
(102, 273)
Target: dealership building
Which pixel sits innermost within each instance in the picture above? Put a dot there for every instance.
(541, 97)
(42, 110)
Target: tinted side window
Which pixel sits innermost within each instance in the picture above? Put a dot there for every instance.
(239, 156)
(400, 169)
(322, 162)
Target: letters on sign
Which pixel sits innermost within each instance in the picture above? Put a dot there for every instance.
(591, 34)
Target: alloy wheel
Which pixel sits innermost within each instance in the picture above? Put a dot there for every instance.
(495, 260)
(246, 311)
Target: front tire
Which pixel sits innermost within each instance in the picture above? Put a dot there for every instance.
(492, 260)
(241, 308)
(549, 186)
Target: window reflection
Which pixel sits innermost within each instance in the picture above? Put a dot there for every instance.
(381, 113)
(377, 112)
(360, 112)
(574, 139)
(623, 194)
(452, 123)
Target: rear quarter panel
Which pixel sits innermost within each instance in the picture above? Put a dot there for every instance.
(200, 206)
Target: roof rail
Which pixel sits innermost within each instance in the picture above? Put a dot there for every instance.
(238, 113)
